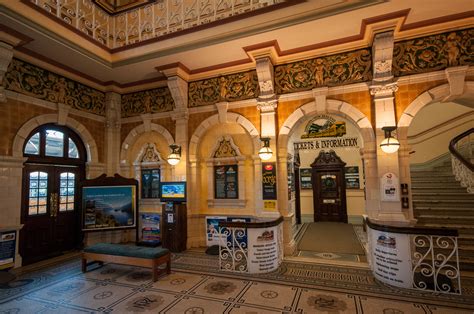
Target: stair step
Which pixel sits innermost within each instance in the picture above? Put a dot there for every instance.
(430, 173)
(439, 188)
(443, 220)
(448, 195)
(422, 180)
(466, 204)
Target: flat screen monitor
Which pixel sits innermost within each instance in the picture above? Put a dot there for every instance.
(173, 191)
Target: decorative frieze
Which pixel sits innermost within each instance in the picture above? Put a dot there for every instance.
(344, 68)
(33, 81)
(233, 87)
(148, 101)
(433, 53)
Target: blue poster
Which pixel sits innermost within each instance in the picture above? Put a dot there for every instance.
(150, 224)
(240, 237)
(108, 207)
(7, 249)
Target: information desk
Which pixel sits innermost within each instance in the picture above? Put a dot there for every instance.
(251, 247)
(415, 258)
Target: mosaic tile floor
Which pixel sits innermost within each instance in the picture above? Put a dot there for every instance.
(296, 288)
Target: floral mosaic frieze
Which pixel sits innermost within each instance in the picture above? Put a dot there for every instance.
(433, 53)
(233, 87)
(30, 80)
(149, 101)
(340, 69)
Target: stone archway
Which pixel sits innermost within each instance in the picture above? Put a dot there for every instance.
(344, 110)
(81, 130)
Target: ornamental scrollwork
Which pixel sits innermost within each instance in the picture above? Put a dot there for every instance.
(33, 81)
(232, 87)
(148, 101)
(433, 53)
(344, 68)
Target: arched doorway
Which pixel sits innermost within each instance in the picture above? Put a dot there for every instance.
(50, 211)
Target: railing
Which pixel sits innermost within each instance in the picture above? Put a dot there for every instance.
(150, 21)
(416, 258)
(461, 148)
(250, 247)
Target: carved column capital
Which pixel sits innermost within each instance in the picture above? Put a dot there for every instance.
(383, 89)
(267, 105)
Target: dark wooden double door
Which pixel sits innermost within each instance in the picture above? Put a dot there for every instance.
(329, 188)
(50, 212)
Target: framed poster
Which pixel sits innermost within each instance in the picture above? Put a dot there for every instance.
(212, 230)
(305, 179)
(352, 177)
(226, 184)
(150, 227)
(7, 249)
(389, 188)
(269, 188)
(109, 207)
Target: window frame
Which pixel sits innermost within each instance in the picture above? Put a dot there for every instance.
(144, 169)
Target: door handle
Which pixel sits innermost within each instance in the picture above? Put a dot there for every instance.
(53, 199)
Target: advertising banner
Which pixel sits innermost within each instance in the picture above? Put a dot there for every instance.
(7, 249)
(269, 188)
(263, 250)
(108, 207)
(391, 261)
(212, 230)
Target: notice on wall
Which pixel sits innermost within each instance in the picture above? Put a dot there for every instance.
(263, 255)
(305, 179)
(7, 249)
(390, 253)
(352, 177)
(389, 188)
(269, 188)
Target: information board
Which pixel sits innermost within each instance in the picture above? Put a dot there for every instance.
(305, 179)
(7, 249)
(263, 255)
(390, 253)
(352, 177)
(226, 182)
(269, 187)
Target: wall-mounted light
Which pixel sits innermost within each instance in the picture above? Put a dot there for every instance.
(389, 144)
(175, 156)
(265, 152)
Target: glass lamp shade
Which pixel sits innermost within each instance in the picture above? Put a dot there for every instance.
(390, 145)
(173, 159)
(265, 153)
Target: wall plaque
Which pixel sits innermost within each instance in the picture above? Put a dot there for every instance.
(269, 188)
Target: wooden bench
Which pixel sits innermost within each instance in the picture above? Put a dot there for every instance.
(128, 255)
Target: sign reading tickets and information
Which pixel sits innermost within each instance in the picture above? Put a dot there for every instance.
(263, 250)
(391, 258)
(7, 249)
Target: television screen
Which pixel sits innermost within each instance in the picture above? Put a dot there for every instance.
(108, 207)
(173, 191)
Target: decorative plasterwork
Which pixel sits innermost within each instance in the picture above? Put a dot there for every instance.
(6, 55)
(149, 154)
(149, 101)
(232, 87)
(225, 148)
(33, 81)
(344, 68)
(433, 53)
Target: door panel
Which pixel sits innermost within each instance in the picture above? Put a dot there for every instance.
(49, 211)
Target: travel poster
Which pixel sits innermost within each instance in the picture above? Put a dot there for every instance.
(108, 207)
(150, 224)
(212, 230)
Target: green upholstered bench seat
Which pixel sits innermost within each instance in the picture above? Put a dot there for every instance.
(126, 250)
(129, 255)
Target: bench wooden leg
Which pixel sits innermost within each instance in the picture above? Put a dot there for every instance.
(84, 265)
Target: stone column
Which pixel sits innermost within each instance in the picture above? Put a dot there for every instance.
(11, 170)
(382, 89)
(112, 136)
(6, 55)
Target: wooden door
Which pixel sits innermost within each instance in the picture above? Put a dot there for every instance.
(329, 189)
(50, 211)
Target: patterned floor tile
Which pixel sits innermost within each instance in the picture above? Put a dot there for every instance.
(28, 306)
(240, 308)
(144, 302)
(106, 272)
(193, 305)
(274, 296)
(64, 290)
(315, 301)
(178, 282)
(101, 297)
(220, 288)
